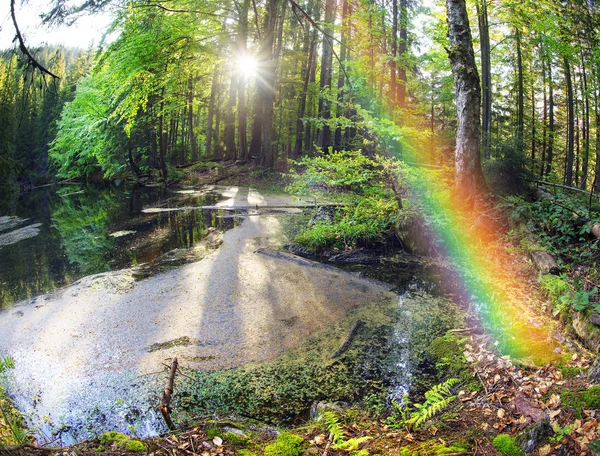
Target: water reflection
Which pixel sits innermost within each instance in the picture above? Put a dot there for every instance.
(75, 234)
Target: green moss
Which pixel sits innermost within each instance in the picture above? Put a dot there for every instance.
(243, 452)
(570, 372)
(280, 390)
(582, 400)
(506, 445)
(213, 432)
(455, 448)
(113, 437)
(236, 440)
(121, 440)
(286, 444)
(135, 445)
(447, 352)
(100, 449)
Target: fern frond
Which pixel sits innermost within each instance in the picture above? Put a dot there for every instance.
(332, 425)
(351, 444)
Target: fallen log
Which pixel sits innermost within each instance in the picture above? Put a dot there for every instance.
(349, 338)
(165, 407)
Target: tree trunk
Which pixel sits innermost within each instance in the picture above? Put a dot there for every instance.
(229, 133)
(550, 149)
(191, 133)
(341, 79)
(469, 176)
(324, 135)
(571, 126)
(486, 77)
(520, 94)
(586, 124)
(308, 49)
(533, 132)
(393, 90)
(211, 110)
(242, 40)
(545, 114)
(402, 50)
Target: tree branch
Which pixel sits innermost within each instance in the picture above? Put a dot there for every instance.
(32, 60)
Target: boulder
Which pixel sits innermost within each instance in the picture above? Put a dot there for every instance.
(533, 435)
(323, 214)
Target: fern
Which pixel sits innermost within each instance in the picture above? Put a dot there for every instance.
(333, 426)
(436, 400)
(6, 364)
(336, 434)
(352, 444)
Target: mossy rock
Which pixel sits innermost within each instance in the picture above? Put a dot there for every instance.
(506, 445)
(286, 444)
(582, 400)
(446, 353)
(121, 441)
(213, 432)
(113, 437)
(452, 449)
(135, 445)
(236, 439)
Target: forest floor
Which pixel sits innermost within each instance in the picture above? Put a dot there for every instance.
(550, 410)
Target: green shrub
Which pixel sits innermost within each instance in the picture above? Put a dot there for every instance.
(286, 444)
(506, 445)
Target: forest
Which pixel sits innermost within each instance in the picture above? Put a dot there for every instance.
(358, 227)
(276, 81)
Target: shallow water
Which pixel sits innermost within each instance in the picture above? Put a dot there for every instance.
(83, 230)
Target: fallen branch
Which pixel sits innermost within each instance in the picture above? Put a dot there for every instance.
(165, 408)
(27, 448)
(349, 338)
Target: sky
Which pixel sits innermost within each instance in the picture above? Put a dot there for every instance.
(86, 30)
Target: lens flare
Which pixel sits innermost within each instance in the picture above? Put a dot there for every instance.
(246, 66)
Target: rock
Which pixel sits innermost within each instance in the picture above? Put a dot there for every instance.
(594, 373)
(587, 332)
(544, 262)
(235, 431)
(324, 214)
(595, 319)
(318, 408)
(297, 250)
(358, 256)
(531, 437)
(524, 407)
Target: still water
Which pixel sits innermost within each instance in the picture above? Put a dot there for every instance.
(83, 230)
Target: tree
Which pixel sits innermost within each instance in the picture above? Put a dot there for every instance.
(469, 176)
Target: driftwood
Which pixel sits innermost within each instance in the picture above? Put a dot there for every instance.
(349, 338)
(165, 407)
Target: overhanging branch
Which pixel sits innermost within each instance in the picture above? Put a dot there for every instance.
(32, 60)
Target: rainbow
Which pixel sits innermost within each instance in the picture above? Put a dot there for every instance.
(490, 281)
